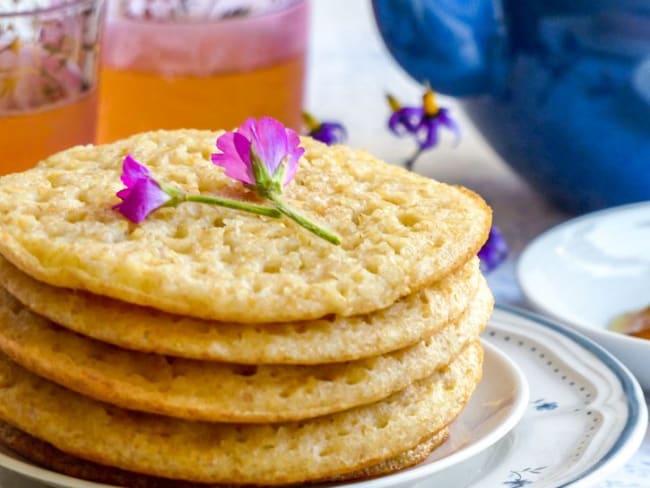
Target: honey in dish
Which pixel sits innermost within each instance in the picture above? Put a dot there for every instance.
(635, 324)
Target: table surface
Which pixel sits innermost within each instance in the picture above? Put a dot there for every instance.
(350, 71)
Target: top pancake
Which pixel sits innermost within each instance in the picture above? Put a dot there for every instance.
(400, 232)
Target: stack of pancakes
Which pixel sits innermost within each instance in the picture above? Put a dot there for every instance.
(208, 345)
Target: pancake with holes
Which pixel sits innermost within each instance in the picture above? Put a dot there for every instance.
(223, 392)
(333, 339)
(401, 232)
(50, 457)
(265, 454)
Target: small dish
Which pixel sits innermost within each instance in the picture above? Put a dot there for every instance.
(585, 419)
(589, 270)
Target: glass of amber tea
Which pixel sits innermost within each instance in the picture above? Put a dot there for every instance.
(48, 77)
(205, 64)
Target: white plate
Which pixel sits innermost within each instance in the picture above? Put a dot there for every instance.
(495, 408)
(585, 418)
(591, 269)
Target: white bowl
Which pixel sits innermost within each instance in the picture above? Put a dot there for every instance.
(590, 270)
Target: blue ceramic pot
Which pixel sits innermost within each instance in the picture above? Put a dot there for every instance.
(560, 88)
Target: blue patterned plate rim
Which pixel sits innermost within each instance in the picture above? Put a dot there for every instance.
(634, 430)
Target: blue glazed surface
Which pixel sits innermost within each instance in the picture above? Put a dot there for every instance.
(560, 89)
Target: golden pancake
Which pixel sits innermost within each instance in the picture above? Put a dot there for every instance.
(329, 340)
(223, 392)
(270, 454)
(400, 232)
(50, 457)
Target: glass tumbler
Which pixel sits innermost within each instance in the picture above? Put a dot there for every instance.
(205, 64)
(48, 78)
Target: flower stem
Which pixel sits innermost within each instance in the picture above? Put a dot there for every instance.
(235, 204)
(408, 164)
(304, 222)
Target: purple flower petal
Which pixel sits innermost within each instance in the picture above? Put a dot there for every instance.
(329, 133)
(406, 120)
(429, 129)
(132, 171)
(235, 157)
(248, 128)
(142, 194)
(272, 143)
(142, 198)
(494, 251)
(412, 117)
(395, 124)
(294, 154)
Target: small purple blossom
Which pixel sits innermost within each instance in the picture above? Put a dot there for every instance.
(325, 132)
(330, 133)
(142, 195)
(260, 153)
(423, 122)
(427, 133)
(494, 251)
(405, 120)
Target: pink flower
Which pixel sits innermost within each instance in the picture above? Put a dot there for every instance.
(261, 153)
(142, 195)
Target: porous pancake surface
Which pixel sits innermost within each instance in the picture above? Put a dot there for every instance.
(333, 339)
(49, 456)
(400, 232)
(271, 454)
(222, 392)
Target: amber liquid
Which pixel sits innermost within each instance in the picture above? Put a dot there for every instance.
(28, 137)
(636, 324)
(133, 101)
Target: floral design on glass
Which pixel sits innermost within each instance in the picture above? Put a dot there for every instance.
(542, 405)
(48, 56)
(166, 10)
(517, 479)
